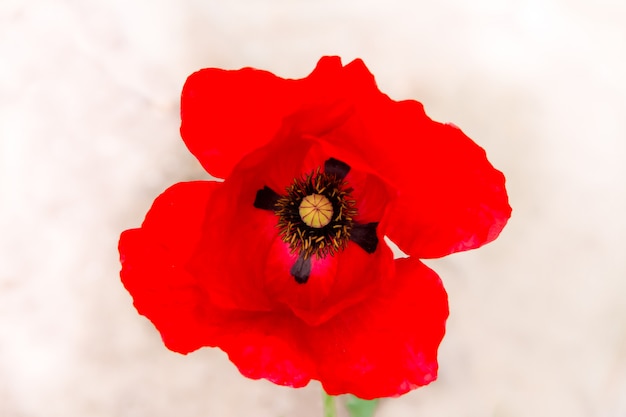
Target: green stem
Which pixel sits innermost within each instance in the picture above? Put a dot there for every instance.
(329, 405)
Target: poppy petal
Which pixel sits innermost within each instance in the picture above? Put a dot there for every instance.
(335, 283)
(449, 196)
(387, 345)
(153, 261)
(268, 345)
(226, 114)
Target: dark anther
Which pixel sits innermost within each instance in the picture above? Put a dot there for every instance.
(364, 235)
(266, 199)
(301, 270)
(338, 168)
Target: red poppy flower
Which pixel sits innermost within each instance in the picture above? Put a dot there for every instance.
(283, 265)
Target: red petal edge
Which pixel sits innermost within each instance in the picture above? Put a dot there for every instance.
(226, 114)
(153, 261)
(387, 345)
(452, 199)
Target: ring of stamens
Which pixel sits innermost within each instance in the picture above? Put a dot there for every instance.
(316, 215)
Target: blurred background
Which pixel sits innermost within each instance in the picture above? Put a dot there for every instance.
(89, 95)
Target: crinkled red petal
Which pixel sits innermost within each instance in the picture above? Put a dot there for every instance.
(269, 345)
(154, 259)
(453, 199)
(226, 114)
(387, 345)
(335, 282)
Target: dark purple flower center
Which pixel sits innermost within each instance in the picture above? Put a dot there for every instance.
(316, 216)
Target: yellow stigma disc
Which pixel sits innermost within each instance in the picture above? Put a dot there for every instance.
(316, 210)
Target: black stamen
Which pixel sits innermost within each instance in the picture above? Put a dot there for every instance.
(364, 235)
(266, 199)
(334, 166)
(301, 270)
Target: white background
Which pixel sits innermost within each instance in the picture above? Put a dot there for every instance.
(89, 136)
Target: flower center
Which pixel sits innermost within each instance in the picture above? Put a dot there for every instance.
(315, 217)
(316, 210)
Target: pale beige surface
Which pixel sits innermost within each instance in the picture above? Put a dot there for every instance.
(88, 137)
